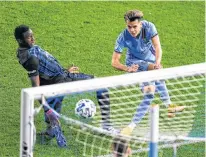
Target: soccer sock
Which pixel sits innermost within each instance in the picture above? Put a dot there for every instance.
(54, 103)
(162, 90)
(46, 109)
(104, 103)
(142, 108)
(52, 117)
(58, 105)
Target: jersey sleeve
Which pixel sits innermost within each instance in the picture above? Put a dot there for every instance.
(120, 44)
(31, 65)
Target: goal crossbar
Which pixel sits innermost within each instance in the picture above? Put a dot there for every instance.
(28, 95)
(113, 81)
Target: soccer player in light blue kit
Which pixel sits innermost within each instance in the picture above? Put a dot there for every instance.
(143, 53)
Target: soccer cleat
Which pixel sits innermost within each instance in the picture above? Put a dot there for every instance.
(61, 140)
(49, 133)
(55, 129)
(172, 109)
(126, 131)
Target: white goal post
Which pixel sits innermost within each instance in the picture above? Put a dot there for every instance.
(29, 95)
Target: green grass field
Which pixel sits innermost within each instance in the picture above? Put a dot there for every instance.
(84, 33)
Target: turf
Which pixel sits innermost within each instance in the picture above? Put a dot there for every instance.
(84, 33)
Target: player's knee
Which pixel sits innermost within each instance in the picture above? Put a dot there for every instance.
(149, 89)
(151, 67)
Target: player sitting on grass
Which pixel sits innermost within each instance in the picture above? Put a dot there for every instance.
(44, 69)
(143, 53)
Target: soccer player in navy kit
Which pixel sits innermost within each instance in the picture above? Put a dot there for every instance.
(143, 53)
(44, 69)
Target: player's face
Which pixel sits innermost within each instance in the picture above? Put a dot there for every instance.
(134, 27)
(29, 37)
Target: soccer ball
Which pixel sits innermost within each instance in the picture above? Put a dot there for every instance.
(85, 108)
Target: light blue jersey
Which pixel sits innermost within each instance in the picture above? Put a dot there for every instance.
(139, 48)
(141, 51)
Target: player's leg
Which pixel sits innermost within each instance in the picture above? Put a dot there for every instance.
(52, 121)
(104, 103)
(55, 129)
(143, 107)
(102, 98)
(161, 88)
(160, 85)
(54, 103)
(148, 90)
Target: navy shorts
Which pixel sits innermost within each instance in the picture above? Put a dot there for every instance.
(143, 65)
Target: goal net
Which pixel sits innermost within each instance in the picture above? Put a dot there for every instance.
(183, 131)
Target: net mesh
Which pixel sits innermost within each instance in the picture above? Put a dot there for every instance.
(86, 138)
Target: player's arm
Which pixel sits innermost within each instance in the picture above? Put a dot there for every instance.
(119, 45)
(116, 62)
(35, 81)
(118, 65)
(158, 51)
(31, 65)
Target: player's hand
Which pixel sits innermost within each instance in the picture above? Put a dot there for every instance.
(158, 66)
(133, 68)
(73, 69)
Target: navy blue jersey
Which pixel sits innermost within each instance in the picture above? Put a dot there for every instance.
(39, 62)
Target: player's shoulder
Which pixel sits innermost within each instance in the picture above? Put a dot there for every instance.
(125, 33)
(35, 47)
(34, 50)
(122, 35)
(33, 60)
(147, 24)
(22, 55)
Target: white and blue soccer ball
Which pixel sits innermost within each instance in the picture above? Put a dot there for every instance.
(85, 108)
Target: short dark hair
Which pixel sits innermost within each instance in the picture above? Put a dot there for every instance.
(120, 146)
(132, 15)
(19, 30)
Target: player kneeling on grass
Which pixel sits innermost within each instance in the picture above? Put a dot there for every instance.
(44, 69)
